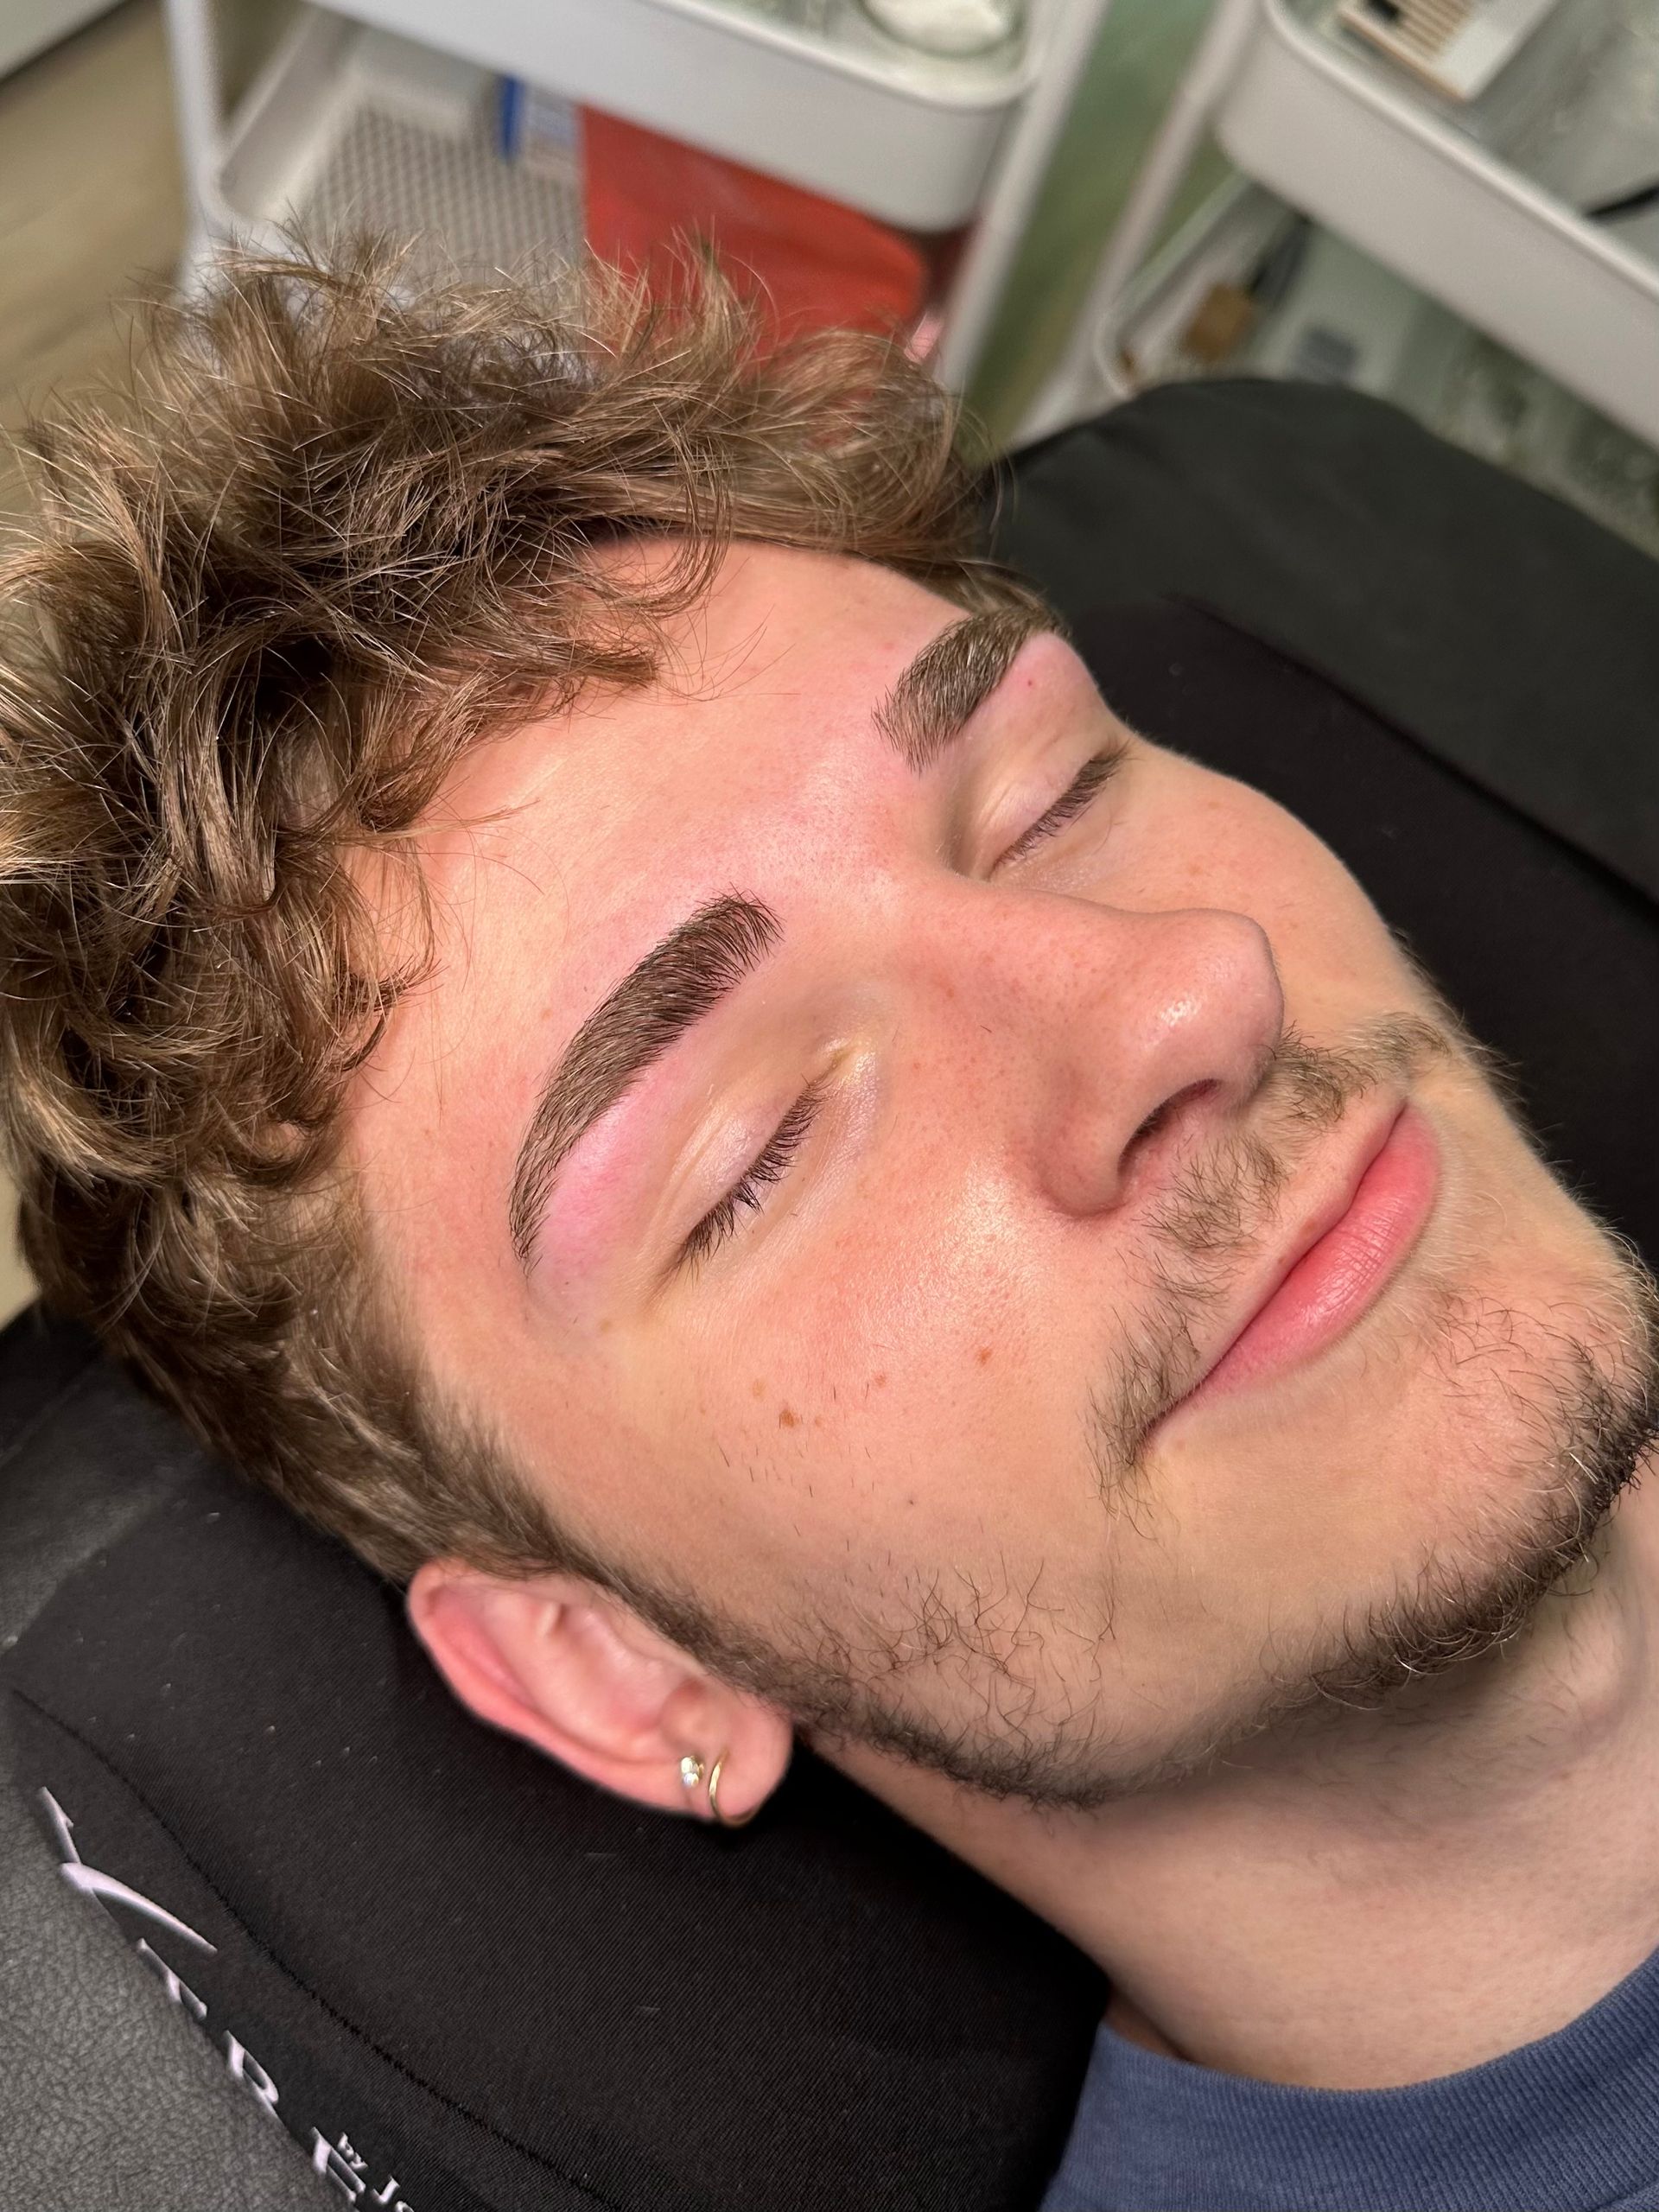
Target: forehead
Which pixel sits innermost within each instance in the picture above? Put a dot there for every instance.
(765, 686)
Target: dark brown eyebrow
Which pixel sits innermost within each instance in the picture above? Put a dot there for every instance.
(679, 981)
(952, 677)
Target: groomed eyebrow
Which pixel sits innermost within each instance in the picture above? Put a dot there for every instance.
(953, 676)
(679, 981)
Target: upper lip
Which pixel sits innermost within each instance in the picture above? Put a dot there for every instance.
(1320, 1208)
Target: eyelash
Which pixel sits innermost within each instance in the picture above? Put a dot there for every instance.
(748, 1192)
(1089, 781)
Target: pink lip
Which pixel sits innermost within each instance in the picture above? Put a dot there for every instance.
(1341, 1272)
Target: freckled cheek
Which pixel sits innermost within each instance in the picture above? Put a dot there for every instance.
(916, 1400)
(1236, 851)
(927, 1334)
(1330, 942)
(1232, 848)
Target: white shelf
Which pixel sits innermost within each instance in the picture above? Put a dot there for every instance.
(848, 113)
(319, 141)
(1359, 154)
(1340, 318)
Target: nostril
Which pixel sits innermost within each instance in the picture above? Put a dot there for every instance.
(1143, 1152)
(1161, 1116)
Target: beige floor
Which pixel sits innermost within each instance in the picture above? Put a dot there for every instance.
(90, 211)
(90, 204)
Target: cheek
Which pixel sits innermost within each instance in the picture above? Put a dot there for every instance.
(913, 1385)
(1205, 841)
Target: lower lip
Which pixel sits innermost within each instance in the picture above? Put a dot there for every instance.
(1340, 1278)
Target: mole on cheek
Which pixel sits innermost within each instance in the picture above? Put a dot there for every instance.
(984, 1355)
(760, 1389)
(787, 1420)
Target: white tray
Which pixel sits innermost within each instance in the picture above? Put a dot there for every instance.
(1335, 139)
(904, 136)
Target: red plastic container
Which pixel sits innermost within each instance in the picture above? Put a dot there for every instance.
(818, 263)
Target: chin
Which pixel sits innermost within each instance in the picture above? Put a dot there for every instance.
(1530, 1409)
(1489, 1409)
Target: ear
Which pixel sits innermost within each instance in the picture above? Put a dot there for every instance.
(573, 1670)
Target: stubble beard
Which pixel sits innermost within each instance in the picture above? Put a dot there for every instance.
(1584, 1404)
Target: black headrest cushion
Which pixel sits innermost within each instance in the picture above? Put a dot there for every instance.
(503, 1987)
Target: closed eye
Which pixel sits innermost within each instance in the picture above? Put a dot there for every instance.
(1089, 781)
(748, 1193)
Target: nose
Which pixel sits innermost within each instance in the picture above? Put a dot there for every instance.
(1094, 1021)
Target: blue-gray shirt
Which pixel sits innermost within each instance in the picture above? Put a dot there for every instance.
(1568, 2124)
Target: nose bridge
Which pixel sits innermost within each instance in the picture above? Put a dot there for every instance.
(1082, 1020)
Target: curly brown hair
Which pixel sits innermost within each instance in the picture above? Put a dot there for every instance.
(339, 530)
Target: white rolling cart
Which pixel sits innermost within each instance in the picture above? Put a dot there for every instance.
(380, 110)
(1305, 111)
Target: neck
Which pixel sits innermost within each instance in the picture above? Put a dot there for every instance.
(1421, 1890)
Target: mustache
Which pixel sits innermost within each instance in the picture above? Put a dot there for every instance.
(1212, 1222)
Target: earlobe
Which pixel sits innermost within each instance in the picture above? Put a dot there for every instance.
(567, 1668)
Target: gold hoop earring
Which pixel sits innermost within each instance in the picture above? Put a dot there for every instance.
(726, 1820)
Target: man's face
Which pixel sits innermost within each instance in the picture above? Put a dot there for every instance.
(923, 1423)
